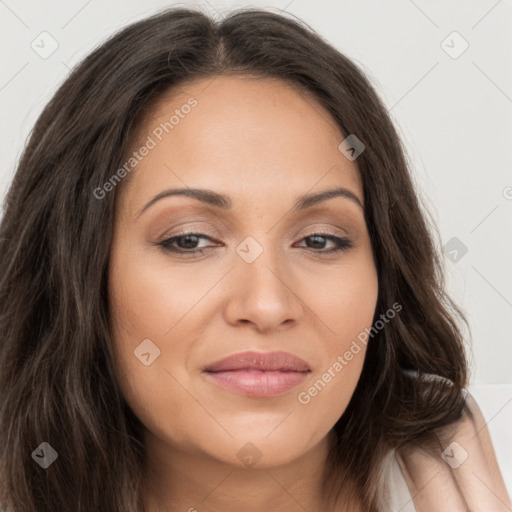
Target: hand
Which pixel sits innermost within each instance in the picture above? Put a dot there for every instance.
(461, 473)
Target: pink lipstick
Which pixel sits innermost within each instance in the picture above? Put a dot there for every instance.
(258, 374)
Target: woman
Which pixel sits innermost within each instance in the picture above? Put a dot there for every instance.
(219, 291)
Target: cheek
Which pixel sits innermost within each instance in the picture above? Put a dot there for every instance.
(345, 300)
(144, 306)
(321, 403)
(149, 300)
(325, 397)
(346, 305)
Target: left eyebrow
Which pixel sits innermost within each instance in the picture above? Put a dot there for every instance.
(225, 203)
(309, 200)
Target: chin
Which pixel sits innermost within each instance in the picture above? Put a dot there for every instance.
(262, 448)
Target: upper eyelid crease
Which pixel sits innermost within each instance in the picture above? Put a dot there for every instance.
(224, 202)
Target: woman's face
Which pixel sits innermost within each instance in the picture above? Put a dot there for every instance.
(265, 281)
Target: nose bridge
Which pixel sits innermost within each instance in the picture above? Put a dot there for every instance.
(261, 292)
(261, 265)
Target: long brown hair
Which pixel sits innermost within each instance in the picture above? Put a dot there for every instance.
(57, 380)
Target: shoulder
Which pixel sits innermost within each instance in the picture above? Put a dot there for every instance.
(457, 469)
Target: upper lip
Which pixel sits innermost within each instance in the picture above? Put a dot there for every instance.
(269, 361)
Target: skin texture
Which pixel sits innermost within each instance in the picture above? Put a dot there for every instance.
(264, 144)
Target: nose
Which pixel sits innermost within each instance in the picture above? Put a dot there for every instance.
(264, 294)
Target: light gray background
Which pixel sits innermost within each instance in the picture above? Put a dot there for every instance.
(454, 114)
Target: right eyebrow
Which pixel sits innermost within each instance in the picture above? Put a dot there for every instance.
(206, 196)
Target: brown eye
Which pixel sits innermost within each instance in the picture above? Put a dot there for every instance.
(318, 241)
(186, 243)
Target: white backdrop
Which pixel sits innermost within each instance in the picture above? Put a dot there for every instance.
(442, 68)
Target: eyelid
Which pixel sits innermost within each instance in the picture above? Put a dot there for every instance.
(192, 229)
(323, 229)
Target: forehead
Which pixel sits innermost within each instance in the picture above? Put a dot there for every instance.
(256, 138)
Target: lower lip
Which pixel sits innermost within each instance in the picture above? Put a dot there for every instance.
(258, 383)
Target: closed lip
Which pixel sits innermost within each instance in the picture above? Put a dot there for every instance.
(263, 361)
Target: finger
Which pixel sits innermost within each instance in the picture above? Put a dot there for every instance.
(468, 450)
(430, 481)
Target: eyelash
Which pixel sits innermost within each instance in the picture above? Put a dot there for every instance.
(344, 244)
